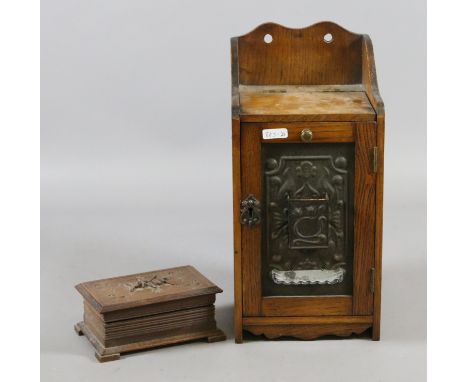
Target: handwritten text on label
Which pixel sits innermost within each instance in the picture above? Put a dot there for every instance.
(274, 133)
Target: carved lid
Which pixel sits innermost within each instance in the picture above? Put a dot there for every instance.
(147, 288)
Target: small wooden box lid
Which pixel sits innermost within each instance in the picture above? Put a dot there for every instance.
(147, 288)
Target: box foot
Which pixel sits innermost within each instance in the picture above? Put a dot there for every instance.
(216, 337)
(78, 330)
(107, 357)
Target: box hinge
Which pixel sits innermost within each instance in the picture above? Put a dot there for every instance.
(372, 280)
(375, 159)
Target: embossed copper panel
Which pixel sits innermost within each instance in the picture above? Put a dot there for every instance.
(307, 240)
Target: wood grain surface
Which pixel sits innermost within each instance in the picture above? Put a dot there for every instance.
(298, 81)
(237, 239)
(307, 306)
(307, 332)
(323, 132)
(299, 56)
(112, 353)
(308, 320)
(264, 105)
(124, 292)
(369, 80)
(364, 218)
(148, 309)
(251, 235)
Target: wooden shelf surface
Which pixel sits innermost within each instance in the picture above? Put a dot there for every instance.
(304, 103)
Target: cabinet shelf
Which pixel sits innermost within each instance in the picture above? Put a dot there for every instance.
(304, 103)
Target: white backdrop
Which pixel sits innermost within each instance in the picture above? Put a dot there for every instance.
(136, 175)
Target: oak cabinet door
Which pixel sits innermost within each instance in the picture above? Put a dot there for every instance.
(308, 217)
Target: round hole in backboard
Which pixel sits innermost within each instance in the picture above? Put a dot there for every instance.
(268, 38)
(328, 38)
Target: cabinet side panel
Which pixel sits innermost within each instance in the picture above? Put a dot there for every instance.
(379, 228)
(364, 218)
(236, 184)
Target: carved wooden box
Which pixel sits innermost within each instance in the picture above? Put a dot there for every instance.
(308, 140)
(146, 310)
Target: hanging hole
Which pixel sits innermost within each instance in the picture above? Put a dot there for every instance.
(328, 38)
(268, 38)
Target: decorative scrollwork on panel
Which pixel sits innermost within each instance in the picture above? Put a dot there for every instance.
(306, 214)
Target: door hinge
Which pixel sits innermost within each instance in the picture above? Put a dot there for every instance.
(375, 159)
(372, 280)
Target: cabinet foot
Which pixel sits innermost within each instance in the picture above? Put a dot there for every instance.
(375, 333)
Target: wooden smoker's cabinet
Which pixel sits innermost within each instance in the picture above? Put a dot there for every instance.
(308, 139)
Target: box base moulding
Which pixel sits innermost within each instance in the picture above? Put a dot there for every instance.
(104, 354)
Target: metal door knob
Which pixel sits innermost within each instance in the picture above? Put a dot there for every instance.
(306, 135)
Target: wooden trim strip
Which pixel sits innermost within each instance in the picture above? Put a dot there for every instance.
(235, 97)
(307, 332)
(308, 117)
(302, 88)
(364, 219)
(307, 306)
(313, 320)
(236, 167)
(251, 235)
(378, 228)
(369, 76)
(322, 133)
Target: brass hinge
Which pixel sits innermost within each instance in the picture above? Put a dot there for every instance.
(372, 280)
(375, 159)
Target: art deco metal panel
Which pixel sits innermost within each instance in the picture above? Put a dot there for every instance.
(307, 212)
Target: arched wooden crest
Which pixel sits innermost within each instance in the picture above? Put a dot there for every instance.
(320, 54)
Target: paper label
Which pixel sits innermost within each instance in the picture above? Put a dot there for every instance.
(274, 133)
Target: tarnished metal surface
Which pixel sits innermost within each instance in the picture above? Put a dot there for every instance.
(250, 211)
(307, 228)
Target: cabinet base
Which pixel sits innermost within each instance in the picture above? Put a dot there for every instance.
(306, 332)
(307, 328)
